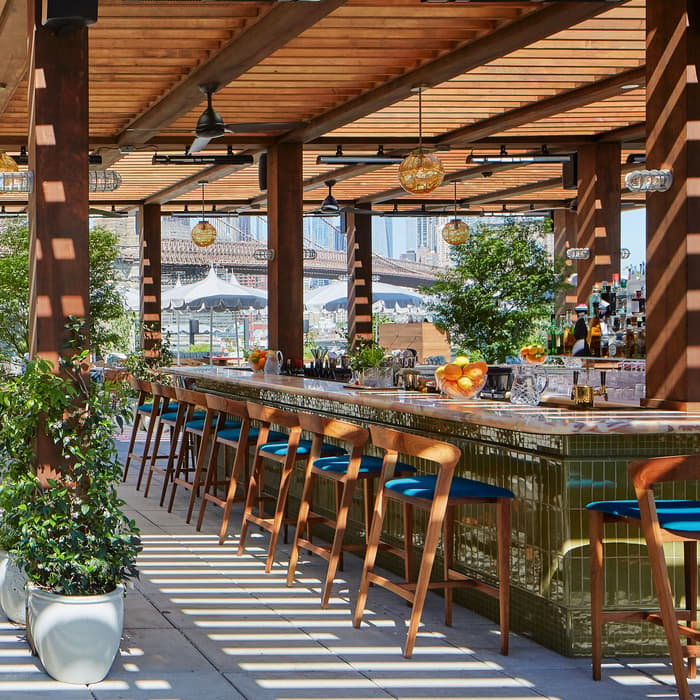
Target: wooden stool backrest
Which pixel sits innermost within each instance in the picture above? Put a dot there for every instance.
(140, 385)
(272, 416)
(167, 392)
(355, 435)
(190, 397)
(227, 406)
(647, 472)
(396, 442)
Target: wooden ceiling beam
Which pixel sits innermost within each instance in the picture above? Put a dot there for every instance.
(522, 32)
(571, 99)
(13, 40)
(282, 23)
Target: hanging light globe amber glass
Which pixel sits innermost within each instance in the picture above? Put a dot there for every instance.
(421, 172)
(455, 232)
(203, 234)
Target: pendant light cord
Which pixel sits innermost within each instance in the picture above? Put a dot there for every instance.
(420, 118)
(204, 183)
(455, 184)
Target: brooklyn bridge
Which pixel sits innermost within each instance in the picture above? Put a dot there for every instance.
(248, 260)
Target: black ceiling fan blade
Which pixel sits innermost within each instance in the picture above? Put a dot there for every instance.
(252, 127)
(198, 144)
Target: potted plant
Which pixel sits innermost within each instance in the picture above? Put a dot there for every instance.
(367, 364)
(73, 541)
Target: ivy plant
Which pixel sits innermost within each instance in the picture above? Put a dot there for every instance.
(67, 530)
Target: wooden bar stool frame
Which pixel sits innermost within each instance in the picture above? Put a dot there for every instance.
(226, 407)
(268, 416)
(192, 399)
(143, 410)
(174, 421)
(644, 474)
(441, 518)
(345, 482)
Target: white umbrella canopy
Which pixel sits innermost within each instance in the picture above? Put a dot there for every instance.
(213, 294)
(334, 296)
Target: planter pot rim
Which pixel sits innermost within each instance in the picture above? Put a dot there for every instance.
(74, 599)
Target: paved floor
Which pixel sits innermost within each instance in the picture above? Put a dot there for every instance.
(204, 623)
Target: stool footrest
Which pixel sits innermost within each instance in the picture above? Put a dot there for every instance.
(221, 502)
(268, 523)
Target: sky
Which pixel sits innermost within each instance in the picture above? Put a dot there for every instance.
(633, 236)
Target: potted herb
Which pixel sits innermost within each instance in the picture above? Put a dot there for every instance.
(367, 364)
(74, 542)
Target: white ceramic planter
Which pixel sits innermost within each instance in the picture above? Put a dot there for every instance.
(12, 589)
(76, 637)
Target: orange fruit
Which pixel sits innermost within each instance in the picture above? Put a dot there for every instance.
(465, 384)
(474, 373)
(452, 371)
(481, 365)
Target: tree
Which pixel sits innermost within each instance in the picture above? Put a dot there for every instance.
(502, 284)
(107, 310)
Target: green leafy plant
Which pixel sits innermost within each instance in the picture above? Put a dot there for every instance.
(502, 285)
(67, 530)
(366, 353)
(146, 365)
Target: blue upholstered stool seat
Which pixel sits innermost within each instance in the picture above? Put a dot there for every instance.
(424, 487)
(277, 447)
(369, 464)
(676, 515)
(148, 408)
(199, 418)
(234, 434)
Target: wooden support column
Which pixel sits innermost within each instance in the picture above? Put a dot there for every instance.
(598, 215)
(285, 271)
(359, 233)
(564, 225)
(150, 267)
(58, 205)
(673, 217)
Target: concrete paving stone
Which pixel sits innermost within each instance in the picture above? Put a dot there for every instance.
(23, 687)
(139, 612)
(169, 685)
(305, 687)
(148, 651)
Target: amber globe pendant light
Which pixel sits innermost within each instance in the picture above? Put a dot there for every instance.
(203, 234)
(456, 231)
(420, 172)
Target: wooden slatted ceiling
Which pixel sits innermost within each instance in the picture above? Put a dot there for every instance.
(360, 45)
(565, 60)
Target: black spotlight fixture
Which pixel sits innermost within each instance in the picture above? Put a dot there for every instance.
(330, 203)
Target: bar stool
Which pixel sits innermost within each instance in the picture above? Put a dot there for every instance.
(172, 418)
(195, 433)
(148, 407)
(237, 438)
(285, 453)
(660, 521)
(439, 494)
(345, 471)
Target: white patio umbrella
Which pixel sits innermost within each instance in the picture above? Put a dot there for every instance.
(334, 296)
(214, 294)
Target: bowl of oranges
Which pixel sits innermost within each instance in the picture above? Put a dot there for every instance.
(257, 359)
(533, 354)
(460, 378)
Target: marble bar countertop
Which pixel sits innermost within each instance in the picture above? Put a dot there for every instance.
(500, 414)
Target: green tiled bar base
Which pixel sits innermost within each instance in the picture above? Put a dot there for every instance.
(553, 476)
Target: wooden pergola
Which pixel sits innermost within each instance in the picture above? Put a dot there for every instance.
(599, 79)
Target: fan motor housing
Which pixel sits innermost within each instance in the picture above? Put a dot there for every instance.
(62, 16)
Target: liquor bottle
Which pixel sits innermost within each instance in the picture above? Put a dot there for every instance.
(630, 340)
(560, 335)
(552, 335)
(568, 335)
(594, 301)
(641, 337)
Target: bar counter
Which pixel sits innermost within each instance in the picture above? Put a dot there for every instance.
(555, 460)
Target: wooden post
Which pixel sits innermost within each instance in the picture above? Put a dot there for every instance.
(58, 205)
(150, 266)
(673, 217)
(598, 215)
(564, 238)
(359, 233)
(285, 271)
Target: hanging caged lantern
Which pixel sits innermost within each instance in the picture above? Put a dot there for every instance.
(455, 231)
(203, 234)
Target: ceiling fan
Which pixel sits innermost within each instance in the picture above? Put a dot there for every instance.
(211, 125)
